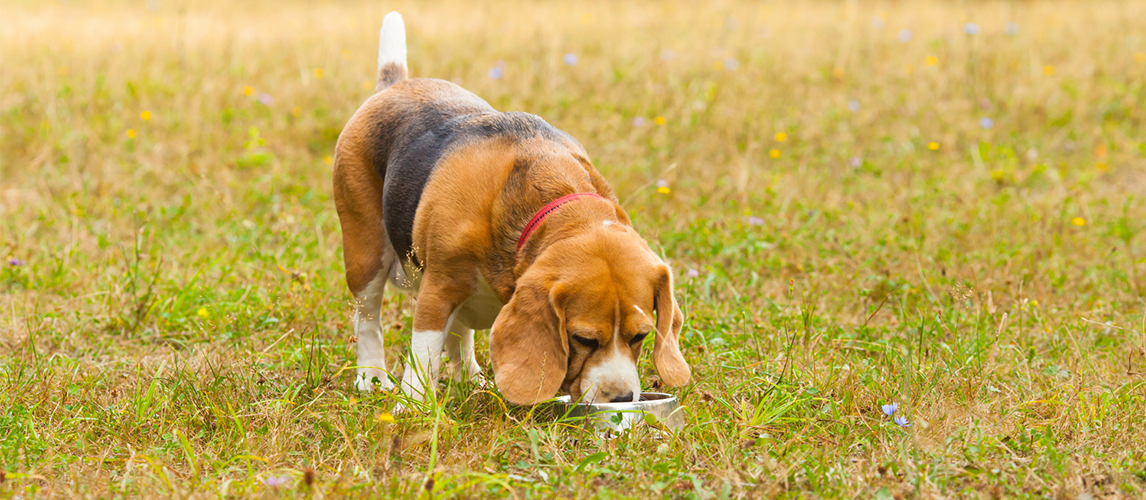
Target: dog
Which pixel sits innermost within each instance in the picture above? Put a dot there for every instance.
(495, 221)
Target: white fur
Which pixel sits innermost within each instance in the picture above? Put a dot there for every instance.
(423, 362)
(616, 376)
(642, 311)
(460, 348)
(368, 330)
(392, 41)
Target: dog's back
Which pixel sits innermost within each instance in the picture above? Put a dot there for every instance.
(403, 131)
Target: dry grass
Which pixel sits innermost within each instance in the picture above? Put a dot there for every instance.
(178, 324)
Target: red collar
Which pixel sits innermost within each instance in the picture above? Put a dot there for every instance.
(545, 211)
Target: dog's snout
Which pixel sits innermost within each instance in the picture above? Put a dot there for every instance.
(623, 398)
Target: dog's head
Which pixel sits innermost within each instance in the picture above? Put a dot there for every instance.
(579, 316)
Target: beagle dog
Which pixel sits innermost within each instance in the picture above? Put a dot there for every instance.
(500, 221)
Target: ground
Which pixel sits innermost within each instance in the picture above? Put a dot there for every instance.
(936, 204)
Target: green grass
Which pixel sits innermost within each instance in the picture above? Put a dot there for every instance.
(179, 326)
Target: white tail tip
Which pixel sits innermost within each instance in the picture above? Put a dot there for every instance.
(392, 41)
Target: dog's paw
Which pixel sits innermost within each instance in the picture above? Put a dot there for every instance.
(479, 380)
(407, 403)
(369, 378)
(472, 374)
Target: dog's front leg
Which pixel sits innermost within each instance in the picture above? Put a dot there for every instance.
(421, 373)
(432, 317)
(460, 347)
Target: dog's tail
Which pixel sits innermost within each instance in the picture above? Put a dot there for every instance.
(391, 52)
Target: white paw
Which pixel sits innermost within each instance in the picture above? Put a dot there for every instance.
(369, 378)
(477, 379)
(408, 401)
(472, 373)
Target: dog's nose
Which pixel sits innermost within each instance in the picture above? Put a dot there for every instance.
(623, 398)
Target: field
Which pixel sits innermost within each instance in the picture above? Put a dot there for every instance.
(937, 204)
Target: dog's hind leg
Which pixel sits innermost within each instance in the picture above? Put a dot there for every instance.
(368, 330)
(366, 250)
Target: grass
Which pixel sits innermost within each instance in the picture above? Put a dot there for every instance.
(178, 323)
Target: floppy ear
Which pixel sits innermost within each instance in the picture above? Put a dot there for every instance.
(527, 344)
(670, 364)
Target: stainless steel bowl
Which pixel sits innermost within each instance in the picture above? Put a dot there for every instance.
(665, 408)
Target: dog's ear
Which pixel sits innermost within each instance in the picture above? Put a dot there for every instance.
(670, 363)
(527, 345)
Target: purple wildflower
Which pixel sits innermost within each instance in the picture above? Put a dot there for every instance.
(853, 105)
(495, 73)
(889, 409)
(639, 121)
(986, 122)
(901, 421)
(265, 98)
(753, 220)
(570, 59)
(275, 481)
(904, 35)
(971, 29)
(662, 183)
(855, 162)
(15, 262)
(692, 273)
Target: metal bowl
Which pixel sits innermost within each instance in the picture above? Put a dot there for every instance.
(665, 408)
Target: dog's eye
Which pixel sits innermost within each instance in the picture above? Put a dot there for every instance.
(587, 342)
(637, 339)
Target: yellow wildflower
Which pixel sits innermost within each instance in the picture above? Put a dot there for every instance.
(296, 111)
(775, 153)
(781, 137)
(1048, 70)
(385, 417)
(934, 146)
(327, 159)
(664, 190)
(146, 115)
(131, 133)
(203, 312)
(1078, 221)
(932, 61)
(318, 72)
(660, 120)
(1140, 57)
(248, 90)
